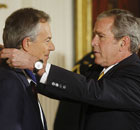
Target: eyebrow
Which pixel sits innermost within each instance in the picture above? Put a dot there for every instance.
(99, 33)
(48, 38)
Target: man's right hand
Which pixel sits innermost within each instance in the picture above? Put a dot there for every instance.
(18, 58)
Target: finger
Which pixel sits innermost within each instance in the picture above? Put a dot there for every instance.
(11, 64)
(5, 55)
(8, 61)
(8, 50)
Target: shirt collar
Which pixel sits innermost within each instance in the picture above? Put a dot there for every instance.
(105, 70)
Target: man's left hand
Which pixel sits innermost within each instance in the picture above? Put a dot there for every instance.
(18, 58)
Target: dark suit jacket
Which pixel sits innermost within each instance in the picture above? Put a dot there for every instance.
(112, 103)
(69, 114)
(18, 108)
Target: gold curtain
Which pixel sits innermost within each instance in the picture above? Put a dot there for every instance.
(83, 28)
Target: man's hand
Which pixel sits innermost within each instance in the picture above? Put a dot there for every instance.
(18, 58)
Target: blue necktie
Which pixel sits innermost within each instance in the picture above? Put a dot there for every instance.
(31, 75)
(32, 84)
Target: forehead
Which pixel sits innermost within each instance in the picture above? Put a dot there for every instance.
(104, 24)
(44, 28)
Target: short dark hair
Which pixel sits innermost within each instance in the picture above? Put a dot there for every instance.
(22, 23)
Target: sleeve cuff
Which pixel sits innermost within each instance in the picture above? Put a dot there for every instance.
(44, 77)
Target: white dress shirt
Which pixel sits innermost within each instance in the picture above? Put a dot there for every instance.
(105, 70)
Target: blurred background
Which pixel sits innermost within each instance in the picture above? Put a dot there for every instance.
(71, 25)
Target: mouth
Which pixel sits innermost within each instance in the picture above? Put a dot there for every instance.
(96, 52)
(46, 57)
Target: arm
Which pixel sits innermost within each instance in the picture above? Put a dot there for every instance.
(20, 59)
(119, 92)
(115, 92)
(11, 104)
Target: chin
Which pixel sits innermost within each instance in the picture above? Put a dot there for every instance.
(98, 62)
(45, 60)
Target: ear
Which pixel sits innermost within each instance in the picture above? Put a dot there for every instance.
(26, 43)
(125, 43)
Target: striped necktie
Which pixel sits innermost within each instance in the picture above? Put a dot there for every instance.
(101, 75)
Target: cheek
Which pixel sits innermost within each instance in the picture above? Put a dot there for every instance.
(112, 52)
(43, 50)
(38, 51)
(107, 52)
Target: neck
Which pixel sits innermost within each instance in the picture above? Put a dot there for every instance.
(119, 59)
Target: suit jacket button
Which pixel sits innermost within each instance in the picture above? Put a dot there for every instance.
(56, 84)
(53, 83)
(64, 87)
(60, 85)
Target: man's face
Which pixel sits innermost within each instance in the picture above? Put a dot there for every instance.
(42, 45)
(105, 47)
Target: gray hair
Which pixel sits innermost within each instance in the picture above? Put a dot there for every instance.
(22, 23)
(125, 24)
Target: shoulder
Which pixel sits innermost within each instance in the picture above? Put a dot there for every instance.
(130, 69)
(9, 80)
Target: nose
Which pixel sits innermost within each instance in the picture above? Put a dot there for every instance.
(51, 46)
(94, 41)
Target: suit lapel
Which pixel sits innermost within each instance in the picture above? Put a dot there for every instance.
(22, 78)
(28, 89)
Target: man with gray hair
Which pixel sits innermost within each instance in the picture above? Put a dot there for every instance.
(27, 30)
(111, 96)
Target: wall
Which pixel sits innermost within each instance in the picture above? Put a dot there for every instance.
(62, 33)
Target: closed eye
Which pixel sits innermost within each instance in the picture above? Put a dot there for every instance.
(101, 36)
(48, 39)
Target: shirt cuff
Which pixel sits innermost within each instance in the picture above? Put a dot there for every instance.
(45, 75)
